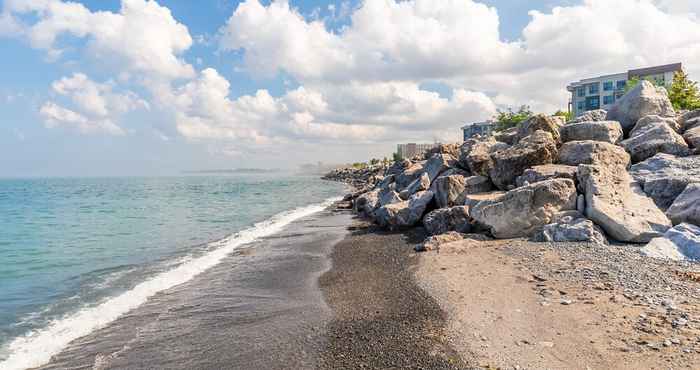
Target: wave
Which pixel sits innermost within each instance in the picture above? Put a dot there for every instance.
(36, 348)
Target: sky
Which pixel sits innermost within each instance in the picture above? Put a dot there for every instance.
(142, 87)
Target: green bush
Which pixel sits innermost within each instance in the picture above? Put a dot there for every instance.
(506, 119)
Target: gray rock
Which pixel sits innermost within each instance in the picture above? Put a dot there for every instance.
(608, 131)
(520, 212)
(571, 229)
(406, 213)
(540, 122)
(617, 203)
(508, 136)
(599, 153)
(650, 137)
(367, 202)
(692, 137)
(665, 176)
(591, 115)
(443, 220)
(449, 190)
(386, 181)
(433, 167)
(546, 172)
(419, 184)
(643, 100)
(475, 154)
(685, 118)
(536, 149)
(686, 207)
(679, 243)
(471, 200)
(388, 196)
(581, 203)
(653, 119)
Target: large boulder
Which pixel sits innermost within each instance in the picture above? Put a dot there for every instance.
(398, 167)
(686, 207)
(367, 202)
(682, 242)
(536, 149)
(653, 119)
(419, 184)
(520, 212)
(433, 167)
(571, 227)
(388, 196)
(475, 154)
(435, 241)
(692, 137)
(664, 177)
(600, 153)
(406, 213)
(618, 204)
(546, 172)
(540, 122)
(608, 131)
(651, 136)
(591, 115)
(508, 136)
(684, 121)
(643, 100)
(450, 190)
(443, 220)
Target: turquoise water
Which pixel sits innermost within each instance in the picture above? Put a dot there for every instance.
(69, 244)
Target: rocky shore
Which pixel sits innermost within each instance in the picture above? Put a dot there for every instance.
(556, 244)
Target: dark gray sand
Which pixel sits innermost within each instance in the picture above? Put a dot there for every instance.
(382, 319)
(260, 308)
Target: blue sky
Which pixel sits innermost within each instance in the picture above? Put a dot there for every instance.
(322, 98)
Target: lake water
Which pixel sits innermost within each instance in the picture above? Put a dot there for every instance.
(76, 254)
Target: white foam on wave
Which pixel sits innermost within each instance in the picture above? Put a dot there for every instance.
(37, 348)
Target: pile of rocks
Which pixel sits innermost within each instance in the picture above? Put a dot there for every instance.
(629, 174)
(360, 178)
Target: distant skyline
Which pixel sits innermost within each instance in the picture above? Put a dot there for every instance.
(137, 87)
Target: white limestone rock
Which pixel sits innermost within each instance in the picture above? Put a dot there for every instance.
(443, 220)
(653, 135)
(686, 207)
(546, 172)
(592, 152)
(536, 149)
(682, 242)
(404, 214)
(643, 100)
(607, 131)
(615, 202)
(664, 176)
(572, 228)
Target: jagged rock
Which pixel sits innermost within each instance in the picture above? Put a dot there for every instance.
(410, 174)
(443, 220)
(591, 116)
(572, 227)
(471, 200)
(686, 207)
(367, 202)
(608, 131)
(398, 167)
(600, 153)
(475, 154)
(684, 121)
(536, 149)
(678, 243)
(651, 136)
(451, 149)
(520, 212)
(449, 190)
(546, 172)
(433, 167)
(507, 136)
(406, 213)
(388, 196)
(419, 184)
(643, 100)
(692, 137)
(540, 122)
(477, 184)
(386, 181)
(665, 176)
(435, 241)
(652, 119)
(617, 203)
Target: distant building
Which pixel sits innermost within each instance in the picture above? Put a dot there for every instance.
(485, 128)
(410, 150)
(602, 92)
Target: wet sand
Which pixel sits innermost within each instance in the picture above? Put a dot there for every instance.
(261, 308)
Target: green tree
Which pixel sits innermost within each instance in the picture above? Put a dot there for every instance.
(506, 119)
(631, 83)
(684, 92)
(567, 115)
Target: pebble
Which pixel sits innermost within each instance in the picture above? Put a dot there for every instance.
(566, 302)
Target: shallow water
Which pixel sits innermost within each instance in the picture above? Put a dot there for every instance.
(78, 253)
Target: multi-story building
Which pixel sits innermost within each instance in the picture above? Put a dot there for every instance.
(602, 92)
(485, 128)
(410, 150)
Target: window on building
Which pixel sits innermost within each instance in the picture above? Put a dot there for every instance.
(608, 99)
(581, 106)
(621, 84)
(607, 86)
(593, 88)
(581, 91)
(593, 102)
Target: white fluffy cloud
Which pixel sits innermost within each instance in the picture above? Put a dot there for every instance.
(143, 37)
(96, 105)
